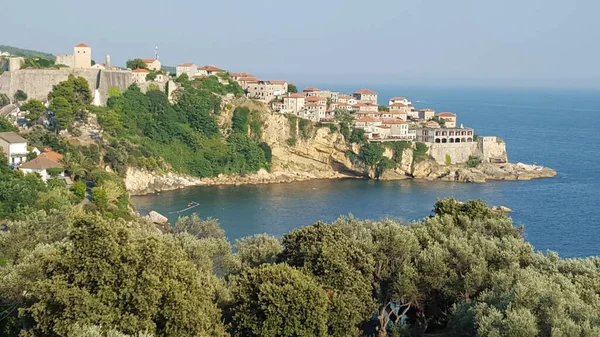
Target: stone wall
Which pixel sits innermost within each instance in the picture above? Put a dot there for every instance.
(37, 83)
(491, 147)
(484, 148)
(458, 152)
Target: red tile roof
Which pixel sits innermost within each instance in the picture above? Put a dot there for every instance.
(140, 70)
(398, 99)
(296, 95)
(367, 119)
(82, 45)
(52, 155)
(399, 105)
(394, 121)
(446, 114)
(186, 65)
(277, 82)
(310, 89)
(315, 99)
(148, 60)
(365, 92)
(211, 68)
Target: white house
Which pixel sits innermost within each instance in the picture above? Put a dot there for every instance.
(399, 100)
(41, 165)
(190, 69)
(14, 148)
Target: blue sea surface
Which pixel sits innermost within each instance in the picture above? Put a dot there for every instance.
(554, 128)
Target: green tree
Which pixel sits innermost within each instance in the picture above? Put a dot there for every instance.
(136, 64)
(151, 76)
(6, 125)
(383, 108)
(343, 116)
(292, 88)
(79, 189)
(114, 92)
(342, 267)
(258, 249)
(63, 113)
(200, 229)
(35, 109)
(75, 90)
(132, 280)
(371, 154)
(20, 96)
(357, 136)
(100, 197)
(278, 300)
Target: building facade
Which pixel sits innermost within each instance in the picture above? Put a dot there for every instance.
(366, 96)
(445, 135)
(190, 69)
(449, 119)
(14, 148)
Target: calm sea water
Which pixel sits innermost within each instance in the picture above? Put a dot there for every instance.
(554, 128)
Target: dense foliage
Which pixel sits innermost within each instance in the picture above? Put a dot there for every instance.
(148, 131)
(464, 271)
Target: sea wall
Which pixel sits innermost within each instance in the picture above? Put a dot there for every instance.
(37, 83)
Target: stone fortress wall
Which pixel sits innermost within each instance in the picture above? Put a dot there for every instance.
(37, 83)
(486, 148)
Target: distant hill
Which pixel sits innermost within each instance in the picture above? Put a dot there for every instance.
(169, 69)
(25, 52)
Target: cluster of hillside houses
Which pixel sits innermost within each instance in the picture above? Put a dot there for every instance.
(399, 120)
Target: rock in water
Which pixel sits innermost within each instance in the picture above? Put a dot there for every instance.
(157, 218)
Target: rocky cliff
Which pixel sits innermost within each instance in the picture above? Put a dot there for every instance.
(319, 153)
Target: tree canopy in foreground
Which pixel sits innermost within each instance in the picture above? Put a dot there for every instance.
(464, 271)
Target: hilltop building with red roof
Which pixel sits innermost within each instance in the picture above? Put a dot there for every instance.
(366, 96)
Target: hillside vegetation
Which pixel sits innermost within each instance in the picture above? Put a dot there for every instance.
(26, 52)
(465, 271)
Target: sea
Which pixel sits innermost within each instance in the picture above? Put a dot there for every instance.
(557, 128)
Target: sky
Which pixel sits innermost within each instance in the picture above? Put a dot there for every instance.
(442, 42)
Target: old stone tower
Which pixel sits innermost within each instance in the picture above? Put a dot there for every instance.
(82, 56)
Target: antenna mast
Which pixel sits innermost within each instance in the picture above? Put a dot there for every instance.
(156, 55)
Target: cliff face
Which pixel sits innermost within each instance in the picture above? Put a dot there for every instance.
(321, 154)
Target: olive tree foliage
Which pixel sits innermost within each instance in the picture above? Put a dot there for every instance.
(199, 228)
(78, 330)
(258, 249)
(341, 266)
(278, 300)
(108, 274)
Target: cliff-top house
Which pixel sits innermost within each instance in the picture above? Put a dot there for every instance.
(366, 96)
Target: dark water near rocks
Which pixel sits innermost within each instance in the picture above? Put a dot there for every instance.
(554, 128)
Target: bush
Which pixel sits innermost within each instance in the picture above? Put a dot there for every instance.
(345, 130)
(79, 189)
(55, 172)
(448, 160)
(420, 152)
(306, 128)
(397, 149)
(473, 162)
(371, 154)
(384, 165)
(100, 197)
(291, 141)
(267, 150)
(358, 136)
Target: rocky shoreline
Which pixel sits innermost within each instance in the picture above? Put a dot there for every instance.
(139, 182)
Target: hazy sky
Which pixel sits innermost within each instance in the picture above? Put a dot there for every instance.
(518, 42)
